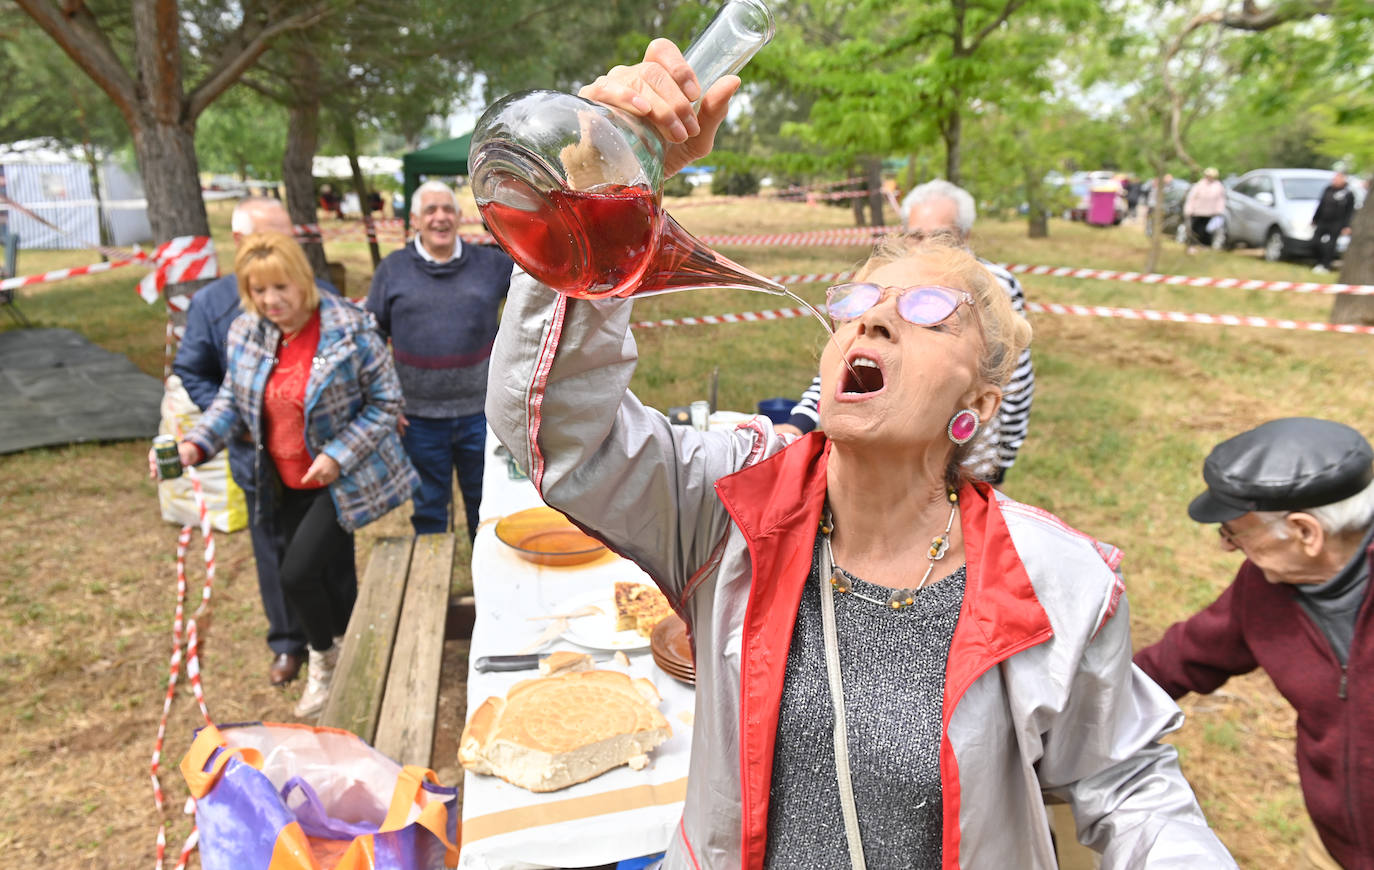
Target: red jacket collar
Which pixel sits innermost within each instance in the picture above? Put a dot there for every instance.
(777, 505)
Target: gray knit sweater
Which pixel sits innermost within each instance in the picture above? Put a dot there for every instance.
(441, 319)
(893, 667)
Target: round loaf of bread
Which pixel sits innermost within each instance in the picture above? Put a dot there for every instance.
(550, 733)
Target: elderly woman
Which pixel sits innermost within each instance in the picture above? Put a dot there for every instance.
(311, 381)
(894, 665)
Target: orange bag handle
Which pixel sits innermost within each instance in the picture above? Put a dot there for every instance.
(433, 816)
(198, 779)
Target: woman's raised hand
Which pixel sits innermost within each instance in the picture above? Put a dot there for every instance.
(660, 90)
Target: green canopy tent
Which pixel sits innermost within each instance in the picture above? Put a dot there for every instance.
(444, 158)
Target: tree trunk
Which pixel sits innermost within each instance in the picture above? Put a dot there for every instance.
(1037, 222)
(360, 185)
(873, 174)
(857, 204)
(171, 178)
(1357, 267)
(912, 179)
(93, 167)
(1156, 218)
(297, 165)
(952, 131)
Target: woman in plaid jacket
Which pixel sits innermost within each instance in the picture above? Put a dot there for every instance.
(311, 382)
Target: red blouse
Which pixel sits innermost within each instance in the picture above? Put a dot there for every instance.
(283, 405)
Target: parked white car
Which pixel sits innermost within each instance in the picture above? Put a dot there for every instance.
(1272, 209)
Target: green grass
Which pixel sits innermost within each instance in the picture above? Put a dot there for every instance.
(1124, 414)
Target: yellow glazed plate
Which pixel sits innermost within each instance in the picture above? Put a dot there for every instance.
(545, 537)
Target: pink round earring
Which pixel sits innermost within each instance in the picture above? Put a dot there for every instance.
(963, 426)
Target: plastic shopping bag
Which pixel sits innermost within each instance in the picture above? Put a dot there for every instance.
(223, 499)
(291, 797)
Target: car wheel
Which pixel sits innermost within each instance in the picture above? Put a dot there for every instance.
(1273, 246)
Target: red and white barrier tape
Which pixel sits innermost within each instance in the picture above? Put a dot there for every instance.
(774, 194)
(813, 238)
(1187, 317)
(1138, 277)
(795, 195)
(1046, 308)
(192, 661)
(76, 271)
(1189, 280)
(812, 278)
(185, 258)
(712, 319)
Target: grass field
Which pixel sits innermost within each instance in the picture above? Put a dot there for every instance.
(1124, 414)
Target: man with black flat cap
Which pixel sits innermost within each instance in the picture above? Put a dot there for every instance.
(1296, 496)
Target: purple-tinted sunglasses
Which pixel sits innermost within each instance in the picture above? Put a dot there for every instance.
(923, 305)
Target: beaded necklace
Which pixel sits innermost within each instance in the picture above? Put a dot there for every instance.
(842, 581)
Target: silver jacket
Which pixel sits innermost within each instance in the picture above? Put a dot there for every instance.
(1041, 696)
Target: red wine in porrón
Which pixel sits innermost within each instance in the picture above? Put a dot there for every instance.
(611, 241)
(587, 244)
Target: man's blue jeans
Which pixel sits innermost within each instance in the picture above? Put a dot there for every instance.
(437, 446)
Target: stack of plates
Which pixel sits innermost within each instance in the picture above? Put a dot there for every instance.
(672, 651)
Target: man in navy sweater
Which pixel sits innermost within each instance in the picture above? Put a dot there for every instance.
(200, 363)
(438, 300)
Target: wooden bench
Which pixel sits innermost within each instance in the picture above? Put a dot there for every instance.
(386, 685)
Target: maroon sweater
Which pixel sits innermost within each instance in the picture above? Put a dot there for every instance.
(1259, 624)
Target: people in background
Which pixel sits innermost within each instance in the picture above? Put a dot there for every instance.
(310, 380)
(978, 650)
(1203, 207)
(1331, 220)
(437, 299)
(201, 362)
(930, 209)
(330, 201)
(1296, 498)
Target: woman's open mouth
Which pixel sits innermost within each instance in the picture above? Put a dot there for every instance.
(862, 377)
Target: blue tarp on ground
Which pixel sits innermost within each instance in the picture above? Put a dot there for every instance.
(58, 388)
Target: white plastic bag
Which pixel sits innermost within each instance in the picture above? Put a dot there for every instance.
(223, 499)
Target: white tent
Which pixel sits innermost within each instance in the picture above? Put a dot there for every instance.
(337, 167)
(55, 185)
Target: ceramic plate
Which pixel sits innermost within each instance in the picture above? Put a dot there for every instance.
(544, 536)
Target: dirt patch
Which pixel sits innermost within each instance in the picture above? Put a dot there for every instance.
(89, 590)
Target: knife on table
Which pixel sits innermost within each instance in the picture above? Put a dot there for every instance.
(486, 664)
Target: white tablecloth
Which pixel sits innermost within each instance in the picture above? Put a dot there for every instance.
(622, 813)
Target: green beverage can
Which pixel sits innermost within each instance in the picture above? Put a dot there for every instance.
(168, 458)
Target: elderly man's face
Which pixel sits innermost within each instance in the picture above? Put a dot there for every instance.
(438, 222)
(1275, 546)
(934, 217)
(1338, 180)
